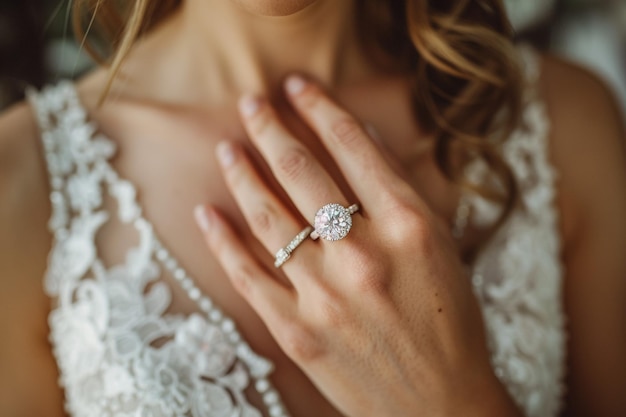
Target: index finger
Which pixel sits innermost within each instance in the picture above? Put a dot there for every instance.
(354, 151)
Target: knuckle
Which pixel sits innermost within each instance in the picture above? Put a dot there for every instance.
(406, 222)
(416, 233)
(293, 163)
(333, 310)
(412, 220)
(300, 343)
(346, 131)
(368, 274)
(371, 283)
(241, 278)
(333, 315)
(417, 226)
(263, 220)
(370, 279)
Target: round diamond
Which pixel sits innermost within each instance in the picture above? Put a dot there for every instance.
(333, 222)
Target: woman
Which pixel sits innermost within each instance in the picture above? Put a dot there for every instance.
(448, 296)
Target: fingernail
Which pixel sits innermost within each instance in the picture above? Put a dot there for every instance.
(225, 154)
(202, 218)
(295, 84)
(249, 105)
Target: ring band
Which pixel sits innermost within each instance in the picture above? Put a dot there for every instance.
(284, 254)
(333, 221)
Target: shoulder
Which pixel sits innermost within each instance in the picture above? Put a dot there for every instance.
(587, 148)
(18, 135)
(587, 142)
(22, 168)
(24, 202)
(24, 245)
(578, 99)
(559, 75)
(583, 110)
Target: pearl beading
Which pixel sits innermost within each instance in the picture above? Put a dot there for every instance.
(259, 367)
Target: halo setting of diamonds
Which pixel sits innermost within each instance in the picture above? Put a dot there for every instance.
(333, 221)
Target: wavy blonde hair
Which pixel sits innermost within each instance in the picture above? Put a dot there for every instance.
(466, 84)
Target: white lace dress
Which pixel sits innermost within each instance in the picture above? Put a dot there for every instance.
(120, 353)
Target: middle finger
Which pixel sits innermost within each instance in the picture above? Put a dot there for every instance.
(303, 178)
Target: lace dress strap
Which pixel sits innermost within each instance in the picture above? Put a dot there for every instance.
(76, 159)
(69, 146)
(528, 150)
(518, 275)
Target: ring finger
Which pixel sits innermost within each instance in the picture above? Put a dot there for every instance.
(303, 178)
(269, 220)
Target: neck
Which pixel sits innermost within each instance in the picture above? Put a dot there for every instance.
(214, 50)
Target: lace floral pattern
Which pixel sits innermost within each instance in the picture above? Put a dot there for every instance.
(518, 277)
(121, 354)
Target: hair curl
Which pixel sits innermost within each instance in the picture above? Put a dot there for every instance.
(466, 83)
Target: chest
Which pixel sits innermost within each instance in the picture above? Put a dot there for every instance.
(173, 166)
(172, 169)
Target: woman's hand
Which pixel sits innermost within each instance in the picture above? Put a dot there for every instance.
(384, 321)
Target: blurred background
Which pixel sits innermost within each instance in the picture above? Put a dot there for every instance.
(37, 46)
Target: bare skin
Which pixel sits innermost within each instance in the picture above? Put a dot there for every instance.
(166, 149)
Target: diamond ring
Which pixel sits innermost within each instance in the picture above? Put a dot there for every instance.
(333, 221)
(284, 254)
